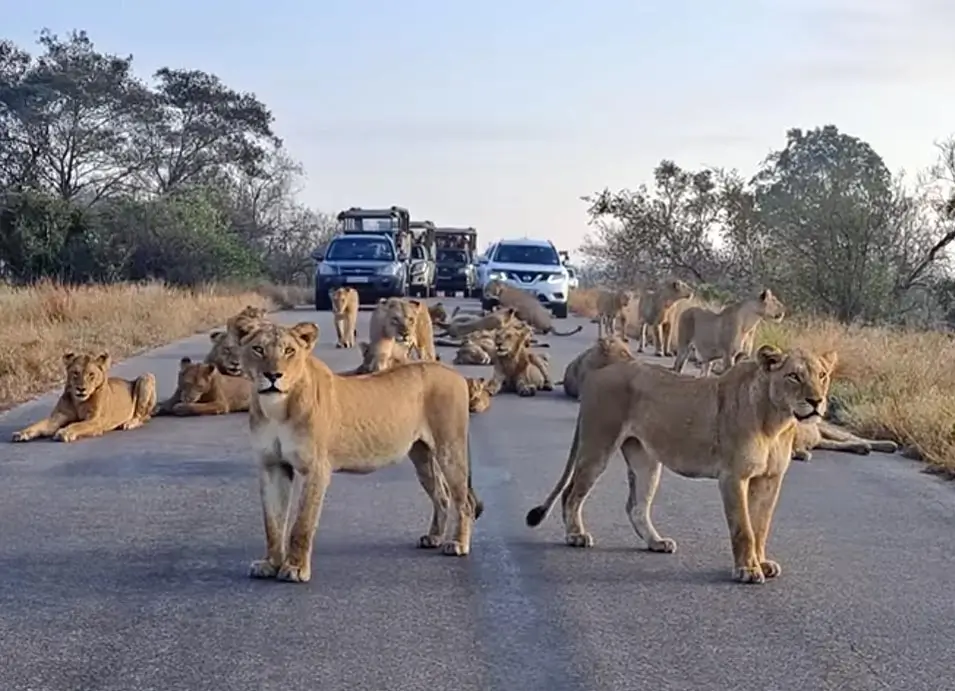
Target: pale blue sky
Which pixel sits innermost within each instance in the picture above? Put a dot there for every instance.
(501, 114)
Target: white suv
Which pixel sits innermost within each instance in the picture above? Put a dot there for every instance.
(531, 265)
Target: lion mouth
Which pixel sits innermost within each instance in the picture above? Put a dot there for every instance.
(270, 389)
(803, 418)
(233, 371)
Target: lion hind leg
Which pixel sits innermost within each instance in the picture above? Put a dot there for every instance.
(434, 485)
(144, 400)
(643, 478)
(452, 458)
(592, 461)
(856, 446)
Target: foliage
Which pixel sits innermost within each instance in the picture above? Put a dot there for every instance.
(105, 176)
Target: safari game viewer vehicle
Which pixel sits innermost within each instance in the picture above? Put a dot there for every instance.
(422, 273)
(371, 255)
(455, 261)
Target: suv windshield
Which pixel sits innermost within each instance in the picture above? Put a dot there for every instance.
(361, 248)
(527, 254)
(452, 256)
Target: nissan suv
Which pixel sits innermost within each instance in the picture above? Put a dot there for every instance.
(530, 265)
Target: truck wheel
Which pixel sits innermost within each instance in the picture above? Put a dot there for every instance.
(323, 303)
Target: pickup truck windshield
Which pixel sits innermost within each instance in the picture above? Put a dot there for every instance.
(371, 249)
(527, 254)
(452, 256)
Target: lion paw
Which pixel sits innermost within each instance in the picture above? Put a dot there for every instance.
(454, 549)
(294, 573)
(526, 392)
(580, 540)
(64, 435)
(548, 386)
(131, 424)
(20, 436)
(429, 541)
(339, 345)
(802, 455)
(262, 568)
(770, 568)
(664, 545)
(749, 574)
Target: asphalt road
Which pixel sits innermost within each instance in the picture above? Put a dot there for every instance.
(123, 566)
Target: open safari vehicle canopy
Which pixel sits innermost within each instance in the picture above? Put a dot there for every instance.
(456, 238)
(394, 221)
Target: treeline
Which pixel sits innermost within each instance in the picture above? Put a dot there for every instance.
(106, 176)
(823, 222)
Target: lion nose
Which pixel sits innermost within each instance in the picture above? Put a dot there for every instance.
(814, 402)
(272, 376)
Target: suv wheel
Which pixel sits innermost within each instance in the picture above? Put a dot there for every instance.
(560, 310)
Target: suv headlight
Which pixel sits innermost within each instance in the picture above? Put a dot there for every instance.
(326, 270)
(496, 276)
(556, 278)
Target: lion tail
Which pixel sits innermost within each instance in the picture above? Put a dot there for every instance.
(579, 328)
(476, 503)
(536, 515)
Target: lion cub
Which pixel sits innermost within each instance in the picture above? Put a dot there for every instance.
(345, 308)
(479, 394)
(516, 368)
(204, 390)
(94, 403)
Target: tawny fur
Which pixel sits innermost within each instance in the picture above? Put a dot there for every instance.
(438, 313)
(727, 334)
(528, 308)
(612, 309)
(306, 423)
(605, 351)
(406, 321)
(655, 308)
(737, 428)
(516, 368)
(817, 433)
(204, 390)
(345, 311)
(94, 403)
(461, 327)
(479, 396)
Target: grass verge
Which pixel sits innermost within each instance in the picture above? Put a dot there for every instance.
(893, 384)
(39, 323)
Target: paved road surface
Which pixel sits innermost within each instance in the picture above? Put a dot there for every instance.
(123, 566)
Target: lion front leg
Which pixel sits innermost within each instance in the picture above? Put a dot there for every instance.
(95, 426)
(434, 485)
(735, 495)
(297, 567)
(144, 401)
(643, 338)
(763, 495)
(275, 489)
(524, 387)
(62, 415)
(543, 371)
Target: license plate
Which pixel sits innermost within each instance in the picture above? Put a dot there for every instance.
(357, 279)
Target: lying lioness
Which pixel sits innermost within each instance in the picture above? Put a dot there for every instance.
(93, 402)
(204, 390)
(738, 428)
(307, 423)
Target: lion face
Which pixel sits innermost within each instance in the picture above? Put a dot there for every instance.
(340, 298)
(85, 373)
(439, 315)
(276, 357)
(770, 306)
(400, 319)
(225, 353)
(195, 379)
(494, 289)
(381, 356)
(478, 397)
(611, 349)
(799, 380)
(509, 342)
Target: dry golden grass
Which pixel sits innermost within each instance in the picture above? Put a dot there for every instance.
(39, 323)
(897, 385)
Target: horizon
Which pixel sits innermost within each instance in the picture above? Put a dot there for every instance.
(414, 115)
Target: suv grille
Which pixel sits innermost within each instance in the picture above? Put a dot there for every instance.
(522, 277)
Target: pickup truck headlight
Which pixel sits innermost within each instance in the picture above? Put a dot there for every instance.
(327, 270)
(390, 270)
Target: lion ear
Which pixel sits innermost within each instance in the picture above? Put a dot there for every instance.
(184, 363)
(208, 369)
(214, 336)
(307, 332)
(770, 357)
(68, 358)
(244, 327)
(765, 295)
(103, 359)
(829, 360)
(416, 303)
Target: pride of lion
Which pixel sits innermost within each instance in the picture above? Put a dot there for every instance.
(741, 426)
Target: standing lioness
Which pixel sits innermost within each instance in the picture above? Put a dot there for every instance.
(345, 308)
(737, 428)
(308, 422)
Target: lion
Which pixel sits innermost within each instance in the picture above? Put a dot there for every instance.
(383, 354)
(307, 422)
(476, 349)
(93, 402)
(497, 319)
(516, 368)
(438, 313)
(406, 321)
(479, 395)
(654, 310)
(737, 428)
(727, 334)
(345, 310)
(818, 433)
(612, 307)
(605, 351)
(204, 390)
(528, 308)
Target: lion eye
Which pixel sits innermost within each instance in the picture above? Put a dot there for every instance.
(793, 377)
(289, 351)
(258, 350)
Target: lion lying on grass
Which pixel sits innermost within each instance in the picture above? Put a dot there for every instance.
(527, 306)
(727, 334)
(737, 428)
(516, 368)
(817, 433)
(204, 390)
(345, 311)
(94, 403)
(605, 351)
(306, 423)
